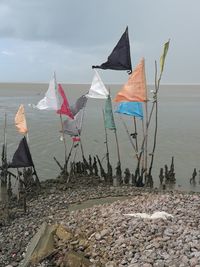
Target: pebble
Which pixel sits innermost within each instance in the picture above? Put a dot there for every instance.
(105, 235)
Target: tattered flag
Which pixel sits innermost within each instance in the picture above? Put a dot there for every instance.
(131, 109)
(73, 127)
(108, 116)
(78, 105)
(22, 156)
(64, 109)
(20, 120)
(135, 90)
(50, 100)
(120, 58)
(97, 89)
(162, 58)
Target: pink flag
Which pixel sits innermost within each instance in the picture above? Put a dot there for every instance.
(64, 109)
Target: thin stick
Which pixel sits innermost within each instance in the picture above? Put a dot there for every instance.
(106, 142)
(83, 156)
(131, 141)
(156, 119)
(5, 138)
(117, 143)
(135, 127)
(143, 131)
(146, 140)
(106, 136)
(4, 195)
(64, 139)
(61, 121)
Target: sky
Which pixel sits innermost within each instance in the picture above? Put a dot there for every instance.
(38, 37)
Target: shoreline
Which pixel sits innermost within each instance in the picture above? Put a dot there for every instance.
(103, 225)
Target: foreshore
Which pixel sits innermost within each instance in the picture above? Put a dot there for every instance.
(104, 235)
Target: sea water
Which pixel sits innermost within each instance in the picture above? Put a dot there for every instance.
(178, 130)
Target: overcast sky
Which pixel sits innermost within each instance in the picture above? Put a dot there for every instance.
(69, 36)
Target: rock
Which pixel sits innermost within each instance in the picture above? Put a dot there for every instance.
(193, 262)
(97, 236)
(73, 259)
(63, 234)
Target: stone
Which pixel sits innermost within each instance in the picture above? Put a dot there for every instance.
(73, 259)
(63, 234)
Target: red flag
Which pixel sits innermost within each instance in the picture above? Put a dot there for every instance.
(64, 109)
(76, 139)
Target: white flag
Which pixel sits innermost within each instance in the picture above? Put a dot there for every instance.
(97, 89)
(50, 101)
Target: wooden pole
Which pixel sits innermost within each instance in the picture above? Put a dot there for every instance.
(146, 141)
(61, 121)
(107, 150)
(4, 195)
(64, 139)
(135, 127)
(130, 139)
(156, 119)
(117, 143)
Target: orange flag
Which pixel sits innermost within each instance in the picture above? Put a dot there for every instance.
(135, 90)
(20, 120)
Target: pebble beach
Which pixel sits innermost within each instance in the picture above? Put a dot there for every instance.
(107, 234)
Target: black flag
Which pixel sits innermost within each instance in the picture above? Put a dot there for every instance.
(120, 58)
(22, 156)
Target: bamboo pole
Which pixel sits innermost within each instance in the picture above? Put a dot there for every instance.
(4, 195)
(128, 134)
(146, 140)
(117, 143)
(135, 127)
(156, 119)
(107, 150)
(61, 121)
(64, 139)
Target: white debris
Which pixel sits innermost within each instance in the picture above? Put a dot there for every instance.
(156, 215)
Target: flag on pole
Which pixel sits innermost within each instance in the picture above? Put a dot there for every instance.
(22, 156)
(73, 127)
(20, 120)
(135, 90)
(131, 109)
(108, 115)
(97, 89)
(78, 105)
(162, 58)
(64, 109)
(120, 58)
(50, 100)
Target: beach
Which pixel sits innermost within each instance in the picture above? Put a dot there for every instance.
(107, 234)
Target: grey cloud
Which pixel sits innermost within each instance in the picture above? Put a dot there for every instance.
(83, 32)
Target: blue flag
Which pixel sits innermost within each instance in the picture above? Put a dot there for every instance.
(131, 109)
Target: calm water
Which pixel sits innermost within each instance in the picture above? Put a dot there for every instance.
(178, 132)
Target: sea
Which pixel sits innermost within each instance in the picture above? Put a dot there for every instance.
(178, 130)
